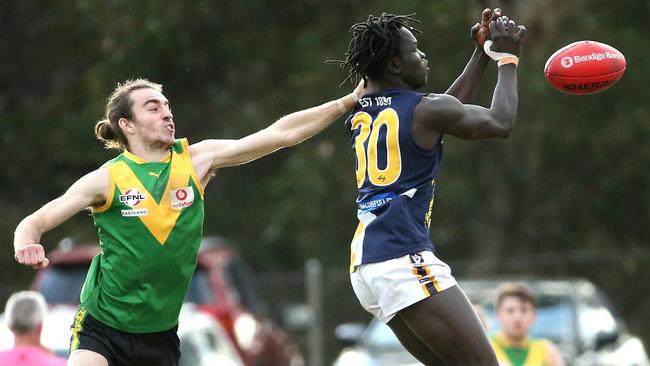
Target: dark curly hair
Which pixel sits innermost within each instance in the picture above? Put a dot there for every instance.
(373, 43)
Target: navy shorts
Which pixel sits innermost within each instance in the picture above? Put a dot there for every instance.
(124, 348)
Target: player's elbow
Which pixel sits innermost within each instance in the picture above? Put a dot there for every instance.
(30, 224)
(504, 132)
(504, 127)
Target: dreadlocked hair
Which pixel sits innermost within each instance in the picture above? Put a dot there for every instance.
(373, 43)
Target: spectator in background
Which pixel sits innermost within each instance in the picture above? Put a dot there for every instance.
(24, 315)
(516, 311)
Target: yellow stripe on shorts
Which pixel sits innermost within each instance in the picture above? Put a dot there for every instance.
(77, 327)
(429, 283)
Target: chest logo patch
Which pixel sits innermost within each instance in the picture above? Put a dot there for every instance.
(132, 197)
(182, 197)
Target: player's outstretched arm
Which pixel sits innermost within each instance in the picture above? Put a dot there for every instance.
(445, 114)
(89, 190)
(466, 85)
(287, 131)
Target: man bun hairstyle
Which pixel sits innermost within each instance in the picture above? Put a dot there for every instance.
(374, 42)
(119, 105)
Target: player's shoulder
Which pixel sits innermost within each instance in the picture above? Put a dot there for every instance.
(434, 106)
(542, 343)
(207, 145)
(439, 100)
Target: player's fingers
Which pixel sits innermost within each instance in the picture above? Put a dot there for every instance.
(501, 26)
(486, 16)
(475, 29)
(28, 257)
(496, 13)
(511, 27)
(42, 264)
(360, 89)
(19, 257)
(521, 30)
(493, 28)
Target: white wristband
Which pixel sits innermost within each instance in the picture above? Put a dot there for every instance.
(496, 56)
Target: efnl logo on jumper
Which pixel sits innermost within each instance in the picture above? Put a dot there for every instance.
(132, 198)
(182, 197)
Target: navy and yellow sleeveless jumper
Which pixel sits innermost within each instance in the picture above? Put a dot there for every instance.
(395, 178)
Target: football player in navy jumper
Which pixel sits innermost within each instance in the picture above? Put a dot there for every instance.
(396, 135)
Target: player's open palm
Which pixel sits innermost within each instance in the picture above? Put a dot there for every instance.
(506, 36)
(32, 255)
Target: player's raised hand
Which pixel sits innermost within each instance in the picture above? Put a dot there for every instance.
(506, 36)
(32, 255)
(481, 31)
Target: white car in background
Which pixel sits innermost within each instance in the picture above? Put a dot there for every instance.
(204, 342)
(574, 314)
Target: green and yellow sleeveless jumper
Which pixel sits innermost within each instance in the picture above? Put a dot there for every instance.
(149, 231)
(535, 353)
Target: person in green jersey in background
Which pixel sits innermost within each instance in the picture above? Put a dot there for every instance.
(515, 307)
(147, 204)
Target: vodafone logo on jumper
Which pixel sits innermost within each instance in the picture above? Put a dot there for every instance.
(182, 197)
(132, 197)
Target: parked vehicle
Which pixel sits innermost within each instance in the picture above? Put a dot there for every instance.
(204, 342)
(222, 286)
(574, 314)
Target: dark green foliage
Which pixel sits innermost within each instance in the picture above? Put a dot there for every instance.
(567, 194)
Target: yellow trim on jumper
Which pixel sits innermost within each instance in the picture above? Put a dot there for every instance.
(356, 236)
(186, 152)
(109, 196)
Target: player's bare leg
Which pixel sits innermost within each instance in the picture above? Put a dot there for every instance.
(447, 323)
(413, 344)
(83, 357)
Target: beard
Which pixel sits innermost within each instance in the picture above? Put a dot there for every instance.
(156, 143)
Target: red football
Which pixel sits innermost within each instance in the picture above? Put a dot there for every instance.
(584, 67)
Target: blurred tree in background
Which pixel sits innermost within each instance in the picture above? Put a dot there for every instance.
(566, 195)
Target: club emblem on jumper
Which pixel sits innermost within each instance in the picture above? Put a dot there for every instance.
(416, 259)
(132, 197)
(182, 197)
